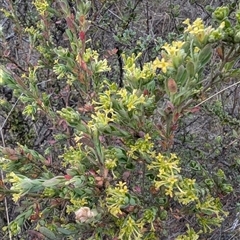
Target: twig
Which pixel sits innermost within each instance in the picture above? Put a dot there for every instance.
(120, 63)
(4, 122)
(5, 199)
(217, 94)
(1, 172)
(147, 15)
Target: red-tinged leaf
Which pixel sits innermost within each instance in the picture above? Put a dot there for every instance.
(92, 172)
(137, 189)
(169, 108)
(88, 107)
(48, 161)
(82, 19)
(172, 86)
(2, 196)
(154, 190)
(170, 105)
(67, 177)
(82, 36)
(219, 51)
(174, 127)
(11, 66)
(145, 92)
(29, 156)
(176, 116)
(112, 51)
(84, 66)
(35, 235)
(126, 175)
(63, 124)
(35, 216)
(10, 153)
(52, 142)
(70, 23)
(81, 77)
(177, 217)
(6, 53)
(194, 109)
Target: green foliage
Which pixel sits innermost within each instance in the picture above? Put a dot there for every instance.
(116, 163)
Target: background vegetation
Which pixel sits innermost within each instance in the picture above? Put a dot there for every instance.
(120, 119)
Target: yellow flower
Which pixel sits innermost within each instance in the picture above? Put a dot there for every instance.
(195, 27)
(177, 44)
(79, 201)
(110, 163)
(13, 178)
(198, 23)
(123, 93)
(122, 187)
(200, 34)
(169, 192)
(187, 21)
(115, 210)
(222, 25)
(16, 196)
(163, 65)
(196, 49)
(171, 50)
(41, 6)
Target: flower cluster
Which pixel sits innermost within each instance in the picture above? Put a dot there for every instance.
(41, 6)
(118, 105)
(198, 31)
(116, 197)
(91, 57)
(22, 185)
(172, 56)
(16, 185)
(142, 146)
(169, 177)
(130, 229)
(186, 191)
(111, 156)
(168, 169)
(210, 213)
(131, 100)
(135, 76)
(73, 156)
(162, 64)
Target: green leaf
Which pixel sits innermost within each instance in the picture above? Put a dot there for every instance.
(20, 220)
(47, 233)
(53, 182)
(28, 213)
(190, 69)
(228, 66)
(64, 231)
(69, 34)
(235, 134)
(234, 73)
(205, 55)
(186, 47)
(132, 201)
(181, 76)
